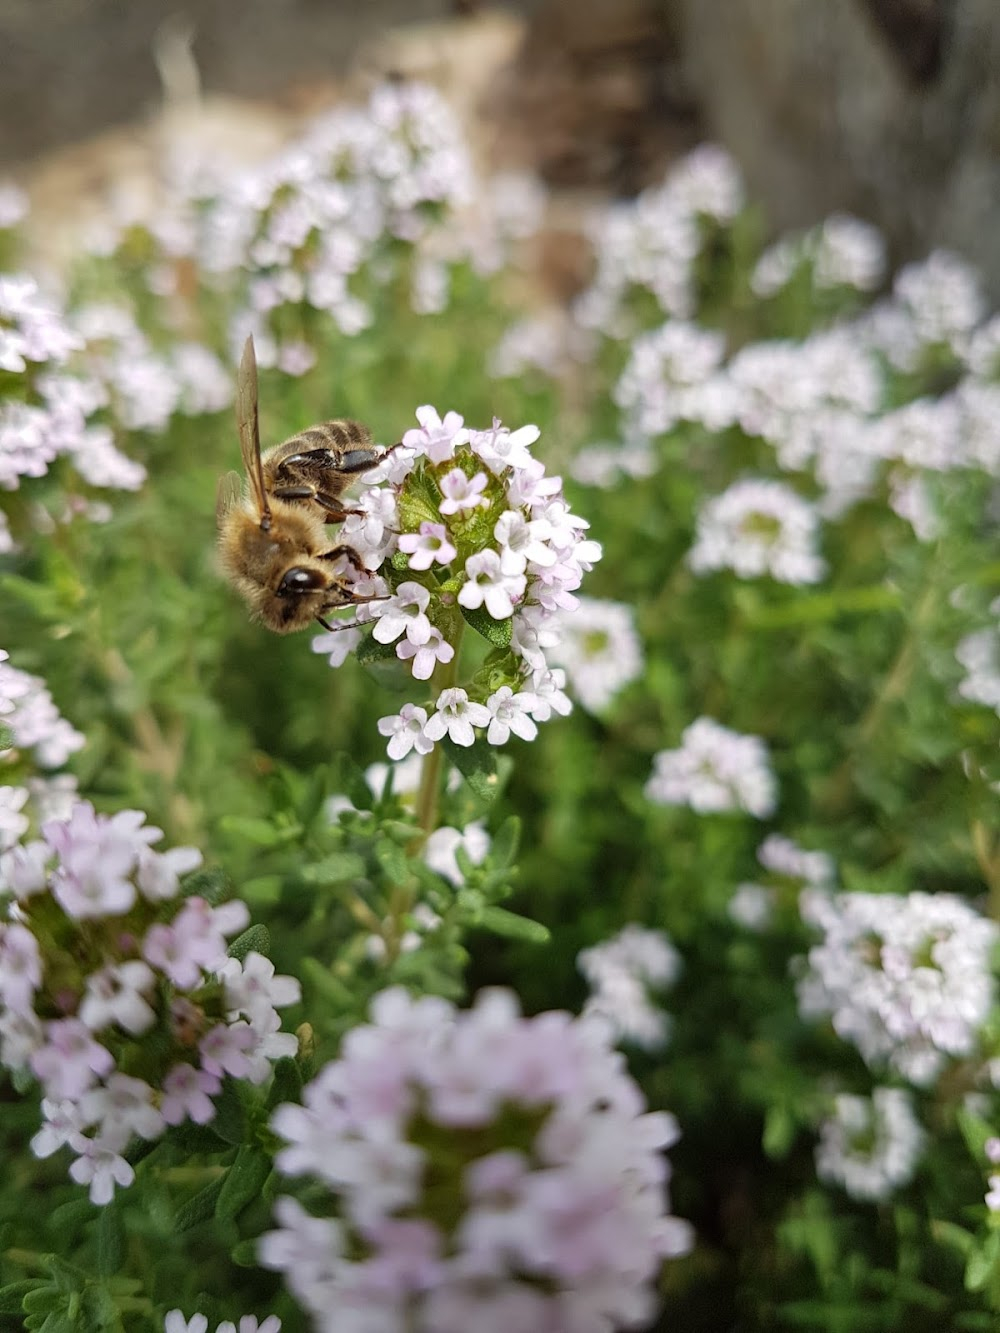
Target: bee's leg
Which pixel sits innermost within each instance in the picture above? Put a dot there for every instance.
(349, 554)
(341, 624)
(294, 492)
(358, 460)
(335, 511)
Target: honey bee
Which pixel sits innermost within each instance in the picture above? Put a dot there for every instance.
(273, 544)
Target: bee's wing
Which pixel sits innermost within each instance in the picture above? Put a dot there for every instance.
(228, 496)
(246, 421)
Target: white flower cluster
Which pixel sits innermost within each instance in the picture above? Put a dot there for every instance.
(759, 527)
(599, 649)
(651, 244)
(147, 388)
(621, 971)
(870, 1147)
(335, 205)
(483, 535)
(751, 906)
(46, 414)
(669, 377)
(992, 1150)
(174, 1322)
(842, 251)
(105, 971)
(490, 1172)
(715, 770)
(545, 342)
(27, 708)
(979, 654)
(907, 980)
(828, 404)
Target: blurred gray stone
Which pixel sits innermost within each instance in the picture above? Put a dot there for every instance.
(72, 68)
(888, 108)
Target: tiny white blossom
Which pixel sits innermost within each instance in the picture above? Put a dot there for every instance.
(403, 613)
(436, 438)
(521, 541)
(456, 717)
(462, 492)
(425, 656)
(510, 713)
(406, 731)
(488, 584)
(337, 645)
(428, 546)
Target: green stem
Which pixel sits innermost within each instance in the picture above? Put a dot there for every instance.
(444, 678)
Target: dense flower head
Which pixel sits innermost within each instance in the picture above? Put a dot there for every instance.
(905, 979)
(117, 993)
(842, 251)
(464, 527)
(478, 1166)
(364, 192)
(650, 246)
(787, 865)
(175, 1322)
(146, 387)
(715, 770)
(27, 708)
(621, 971)
(49, 408)
(759, 527)
(669, 377)
(979, 654)
(870, 1146)
(599, 649)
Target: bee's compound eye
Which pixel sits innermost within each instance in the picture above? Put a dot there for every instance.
(298, 579)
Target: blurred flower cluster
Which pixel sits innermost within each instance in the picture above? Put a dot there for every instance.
(117, 993)
(478, 1170)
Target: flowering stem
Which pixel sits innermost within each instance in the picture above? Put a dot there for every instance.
(444, 678)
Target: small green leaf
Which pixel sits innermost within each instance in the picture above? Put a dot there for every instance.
(254, 940)
(286, 1086)
(200, 1207)
(392, 860)
(338, 868)
(512, 926)
(243, 1183)
(477, 764)
(982, 1263)
(506, 842)
(12, 1296)
(6, 737)
(260, 832)
(953, 1236)
(347, 776)
(779, 1132)
(110, 1240)
(42, 1299)
(369, 650)
(210, 883)
(497, 632)
(230, 1120)
(244, 1255)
